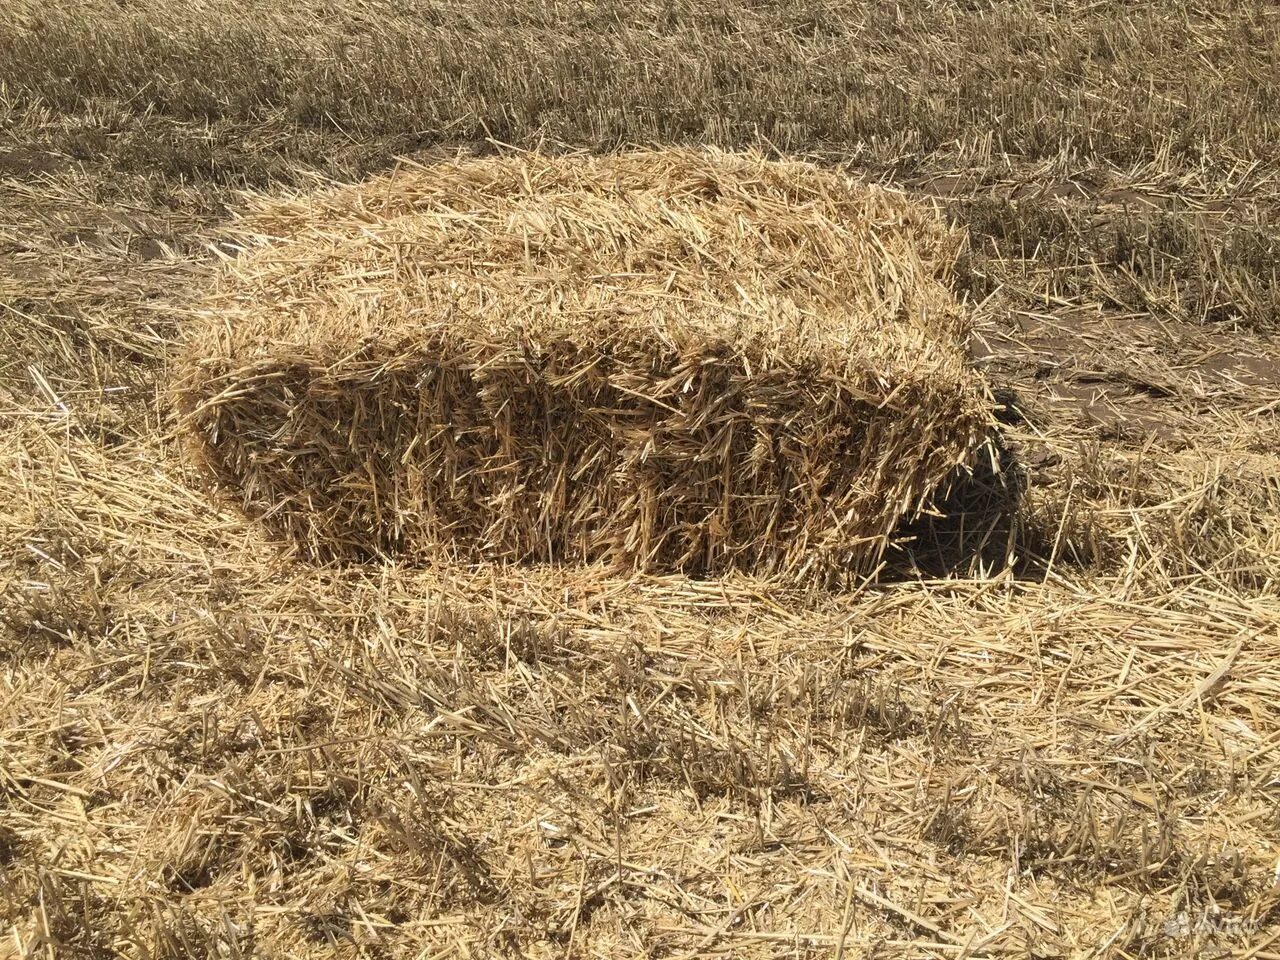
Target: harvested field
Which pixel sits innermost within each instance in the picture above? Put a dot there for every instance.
(670, 359)
(1046, 727)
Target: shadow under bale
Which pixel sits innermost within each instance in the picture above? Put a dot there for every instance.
(973, 526)
(976, 526)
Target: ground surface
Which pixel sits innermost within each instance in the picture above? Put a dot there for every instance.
(1051, 728)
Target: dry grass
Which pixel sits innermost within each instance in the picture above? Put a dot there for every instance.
(1049, 728)
(661, 360)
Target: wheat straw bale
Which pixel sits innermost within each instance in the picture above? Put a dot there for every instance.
(675, 360)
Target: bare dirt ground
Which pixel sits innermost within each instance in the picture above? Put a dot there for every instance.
(1048, 728)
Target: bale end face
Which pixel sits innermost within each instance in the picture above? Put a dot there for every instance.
(666, 361)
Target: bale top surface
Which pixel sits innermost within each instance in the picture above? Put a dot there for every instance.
(800, 265)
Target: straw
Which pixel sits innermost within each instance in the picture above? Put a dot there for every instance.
(674, 360)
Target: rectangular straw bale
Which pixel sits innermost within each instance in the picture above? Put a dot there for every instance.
(663, 360)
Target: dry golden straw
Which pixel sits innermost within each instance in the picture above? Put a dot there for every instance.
(661, 360)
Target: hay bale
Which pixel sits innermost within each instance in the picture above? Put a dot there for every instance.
(662, 360)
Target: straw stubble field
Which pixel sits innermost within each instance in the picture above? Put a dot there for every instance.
(1048, 727)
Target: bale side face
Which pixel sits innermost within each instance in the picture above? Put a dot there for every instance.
(431, 383)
